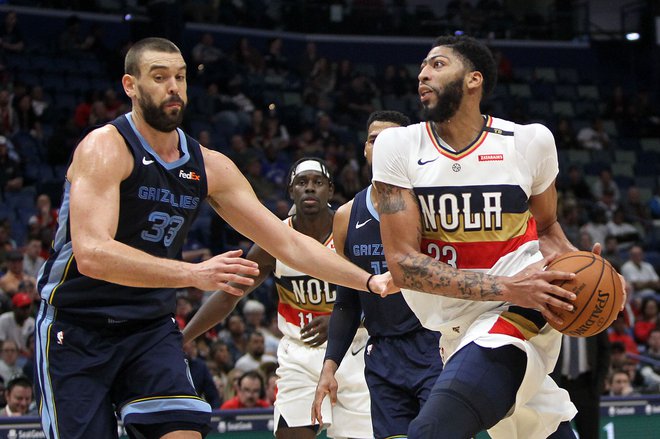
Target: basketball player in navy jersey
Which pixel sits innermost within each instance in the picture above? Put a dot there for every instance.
(107, 342)
(402, 360)
(468, 210)
(304, 307)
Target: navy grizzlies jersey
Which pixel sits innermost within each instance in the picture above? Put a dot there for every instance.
(158, 203)
(389, 316)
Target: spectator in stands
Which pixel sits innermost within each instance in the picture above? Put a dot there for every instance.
(619, 384)
(40, 104)
(250, 393)
(11, 171)
(611, 251)
(32, 260)
(596, 227)
(235, 337)
(18, 394)
(625, 233)
(70, 39)
(570, 221)
(636, 211)
(356, 101)
(8, 115)
(594, 136)
(641, 275)
(44, 221)
(621, 335)
(650, 371)
(28, 365)
(308, 59)
(17, 325)
(28, 121)
(605, 184)
(646, 321)
(208, 56)
(255, 313)
(275, 63)
(247, 57)
(565, 137)
(9, 367)
(617, 104)
(271, 388)
(183, 310)
(254, 356)
(654, 204)
(15, 279)
(321, 79)
(201, 377)
(575, 185)
(11, 39)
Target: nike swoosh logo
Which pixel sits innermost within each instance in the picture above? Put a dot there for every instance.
(358, 225)
(422, 163)
(146, 162)
(354, 353)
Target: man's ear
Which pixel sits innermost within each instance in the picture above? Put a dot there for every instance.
(129, 83)
(474, 80)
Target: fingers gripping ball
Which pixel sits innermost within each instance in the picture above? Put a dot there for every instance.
(598, 289)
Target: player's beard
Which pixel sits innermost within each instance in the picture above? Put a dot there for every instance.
(447, 102)
(158, 117)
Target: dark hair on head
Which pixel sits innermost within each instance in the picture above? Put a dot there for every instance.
(388, 116)
(132, 60)
(476, 54)
(20, 380)
(324, 169)
(255, 375)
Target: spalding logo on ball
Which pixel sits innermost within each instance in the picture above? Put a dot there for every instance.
(598, 289)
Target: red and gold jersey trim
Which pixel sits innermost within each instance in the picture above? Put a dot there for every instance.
(467, 150)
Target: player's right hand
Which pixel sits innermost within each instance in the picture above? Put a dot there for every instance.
(327, 386)
(217, 273)
(533, 288)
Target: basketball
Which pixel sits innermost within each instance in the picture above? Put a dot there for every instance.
(598, 289)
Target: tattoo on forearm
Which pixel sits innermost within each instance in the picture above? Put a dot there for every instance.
(423, 273)
(390, 198)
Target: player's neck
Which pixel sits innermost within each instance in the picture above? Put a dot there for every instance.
(166, 145)
(461, 130)
(316, 226)
(373, 196)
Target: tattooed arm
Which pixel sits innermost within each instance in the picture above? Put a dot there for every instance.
(401, 231)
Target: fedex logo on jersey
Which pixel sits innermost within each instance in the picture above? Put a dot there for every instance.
(491, 157)
(192, 175)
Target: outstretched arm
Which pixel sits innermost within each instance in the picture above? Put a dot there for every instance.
(232, 197)
(401, 231)
(221, 304)
(101, 162)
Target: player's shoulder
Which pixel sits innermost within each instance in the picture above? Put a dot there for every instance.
(104, 141)
(532, 131)
(344, 211)
(401, 133)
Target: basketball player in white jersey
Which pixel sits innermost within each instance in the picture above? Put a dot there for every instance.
(468, 211)
(305, 304)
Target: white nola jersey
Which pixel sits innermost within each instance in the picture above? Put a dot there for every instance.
(301, 297)
(473, 203)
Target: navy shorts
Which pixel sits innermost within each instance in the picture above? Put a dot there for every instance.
(89, 374)
(400, 373)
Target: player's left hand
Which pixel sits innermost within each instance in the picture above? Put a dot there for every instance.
(315, 333)
(383, 284)
(327, 386)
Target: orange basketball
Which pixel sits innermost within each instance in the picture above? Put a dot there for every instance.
(599, 294)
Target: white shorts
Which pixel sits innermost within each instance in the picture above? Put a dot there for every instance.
(298, 374)
(540, 404)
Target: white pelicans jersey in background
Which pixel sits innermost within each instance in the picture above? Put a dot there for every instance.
(301, 297)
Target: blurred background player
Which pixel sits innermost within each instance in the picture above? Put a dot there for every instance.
(305, 303)
(396, 337)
